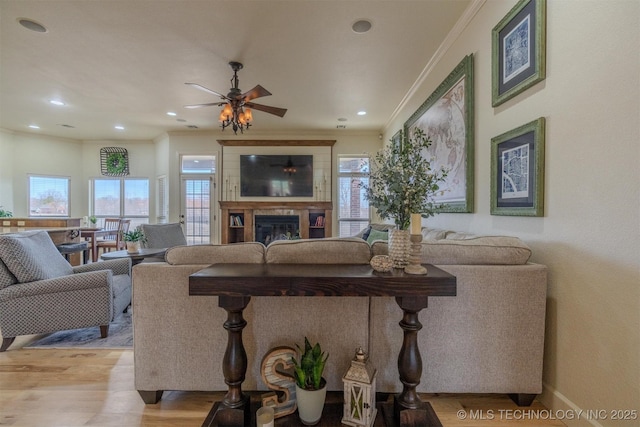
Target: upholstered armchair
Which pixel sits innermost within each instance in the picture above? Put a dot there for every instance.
(40, 292)
(163, 235)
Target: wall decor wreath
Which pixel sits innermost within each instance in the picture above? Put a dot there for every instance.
(114, 161)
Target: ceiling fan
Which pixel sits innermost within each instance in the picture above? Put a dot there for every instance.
(237, 105)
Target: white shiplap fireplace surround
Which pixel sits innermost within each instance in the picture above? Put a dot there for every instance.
(231, 200)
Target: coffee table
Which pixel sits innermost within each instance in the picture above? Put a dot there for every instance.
(136, 257)
(235, 284)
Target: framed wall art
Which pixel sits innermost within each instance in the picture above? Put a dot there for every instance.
(518, 50)
(446, 118)
(114, 161)
(517, 171)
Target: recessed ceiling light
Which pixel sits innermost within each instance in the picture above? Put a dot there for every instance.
(171, 113)
(34, 126)
(32, 25)
(361, 26)
(119, 127)
(362, 113)
(56, 102)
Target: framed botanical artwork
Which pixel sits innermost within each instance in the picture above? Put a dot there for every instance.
(517, 171)
(446, 118)
(518, 50)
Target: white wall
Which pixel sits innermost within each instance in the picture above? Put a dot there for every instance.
(40, 155)
(6, 170)
(589, 236)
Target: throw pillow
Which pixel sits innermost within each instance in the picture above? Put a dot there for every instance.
(32, 256)
(377, 235)
(366, 233)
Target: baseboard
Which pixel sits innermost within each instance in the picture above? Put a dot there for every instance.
(567, 411)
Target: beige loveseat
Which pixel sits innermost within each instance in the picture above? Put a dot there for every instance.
(487, 339)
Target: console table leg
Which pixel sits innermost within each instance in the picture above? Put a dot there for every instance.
(409, 409)
(234, 363)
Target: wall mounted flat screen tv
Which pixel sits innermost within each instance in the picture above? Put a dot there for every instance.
(276, 175)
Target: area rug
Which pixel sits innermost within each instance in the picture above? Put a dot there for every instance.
(120, 336)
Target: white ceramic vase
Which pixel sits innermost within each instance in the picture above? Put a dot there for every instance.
(133, 247)
(399, 247)
(310, 404)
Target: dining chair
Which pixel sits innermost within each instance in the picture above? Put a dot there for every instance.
(114, 240)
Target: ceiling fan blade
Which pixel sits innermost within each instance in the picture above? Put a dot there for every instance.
(197, 86)
(254, 93)
(209, 104)
(267, 109)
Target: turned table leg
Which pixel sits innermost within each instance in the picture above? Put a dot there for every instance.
(234, 409)
(409, 409)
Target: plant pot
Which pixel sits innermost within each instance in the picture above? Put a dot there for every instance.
(133, 247)
(310, 404)
(399, 247)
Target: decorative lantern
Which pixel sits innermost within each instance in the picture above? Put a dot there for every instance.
(359, 392)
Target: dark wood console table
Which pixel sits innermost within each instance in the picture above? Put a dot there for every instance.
(235, 284)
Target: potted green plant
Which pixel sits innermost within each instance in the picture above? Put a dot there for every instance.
(311, 387)
(402, 182)
(93, 220)
(133, 239)
(5, 213)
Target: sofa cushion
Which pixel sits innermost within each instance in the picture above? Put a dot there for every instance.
(32, 256)
(469, 250)
(248, 252)
(434, 233)
(337, 250)
(6, 277)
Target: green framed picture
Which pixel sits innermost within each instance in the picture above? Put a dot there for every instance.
(518, 50)
(517, 171)
(446, 118)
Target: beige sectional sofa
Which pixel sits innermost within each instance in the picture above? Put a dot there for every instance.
(487, 339)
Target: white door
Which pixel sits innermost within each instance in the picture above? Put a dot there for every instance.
(197, 195)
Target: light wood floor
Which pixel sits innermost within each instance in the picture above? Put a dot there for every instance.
(40, 387)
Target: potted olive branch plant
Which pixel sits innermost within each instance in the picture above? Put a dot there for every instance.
(402, 182)
(133, 240)
(311, 387)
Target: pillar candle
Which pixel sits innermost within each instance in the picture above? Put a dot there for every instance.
(416, 224)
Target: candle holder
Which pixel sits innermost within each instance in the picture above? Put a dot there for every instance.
(414, 266)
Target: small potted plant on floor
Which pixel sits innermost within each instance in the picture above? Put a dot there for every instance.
(133, 239)
(311, 387)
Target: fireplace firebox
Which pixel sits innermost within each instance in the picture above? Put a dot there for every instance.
(270, 228)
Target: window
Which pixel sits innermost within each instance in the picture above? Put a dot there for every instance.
(162, 201)
(123, 198)
(353, 208)
(49, 196)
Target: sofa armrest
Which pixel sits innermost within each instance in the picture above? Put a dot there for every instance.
(118, 266)
(75, 282)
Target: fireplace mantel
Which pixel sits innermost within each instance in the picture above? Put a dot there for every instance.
(238, 218)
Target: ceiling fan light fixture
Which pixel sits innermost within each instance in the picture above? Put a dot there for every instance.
(236, 112)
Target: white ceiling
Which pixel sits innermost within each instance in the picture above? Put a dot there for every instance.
(125, 62)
